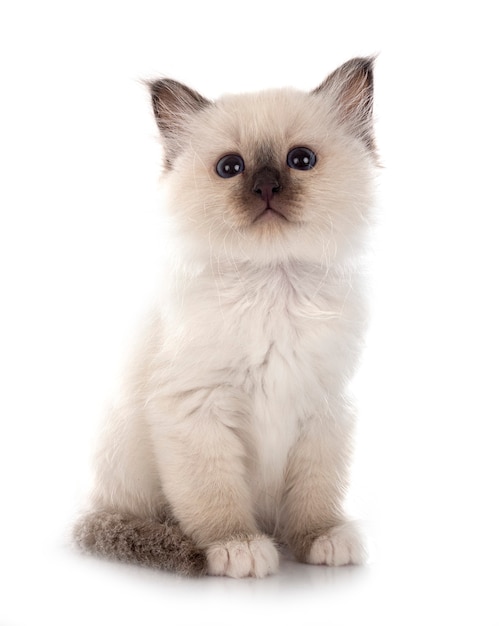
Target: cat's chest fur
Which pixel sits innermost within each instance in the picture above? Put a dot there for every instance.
(275, 332)
(278, 336)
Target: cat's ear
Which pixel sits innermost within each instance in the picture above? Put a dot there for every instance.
(174, 104)
(350, 90)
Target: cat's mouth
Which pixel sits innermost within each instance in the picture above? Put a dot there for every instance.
(270, 214)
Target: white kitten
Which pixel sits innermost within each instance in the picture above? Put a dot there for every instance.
(234, 428)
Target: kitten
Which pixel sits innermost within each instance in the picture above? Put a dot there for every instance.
(233, 433)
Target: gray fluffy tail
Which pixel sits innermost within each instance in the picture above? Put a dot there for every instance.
(161, 545)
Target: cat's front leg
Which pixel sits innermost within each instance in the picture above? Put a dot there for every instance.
(313, 523)
(202, 459)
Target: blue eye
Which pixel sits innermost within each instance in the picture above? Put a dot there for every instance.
(301, 159)
(230, 165)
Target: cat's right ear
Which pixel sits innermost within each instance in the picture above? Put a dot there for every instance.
(174, 104)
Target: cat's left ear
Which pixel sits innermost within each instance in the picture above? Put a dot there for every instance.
(174, 104)
(350, 89)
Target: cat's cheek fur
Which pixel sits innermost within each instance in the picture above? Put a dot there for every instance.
(335, 221)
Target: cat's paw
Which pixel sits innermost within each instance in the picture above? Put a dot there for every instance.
(340, 545)
(255, 556)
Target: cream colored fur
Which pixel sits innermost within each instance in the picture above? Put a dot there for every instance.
(235, 412)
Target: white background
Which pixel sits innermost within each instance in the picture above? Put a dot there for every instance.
(79, 242)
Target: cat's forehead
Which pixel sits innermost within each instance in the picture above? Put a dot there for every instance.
(265, 121)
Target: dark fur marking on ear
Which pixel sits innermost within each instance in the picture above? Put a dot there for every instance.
(173, 104)
(352, 88)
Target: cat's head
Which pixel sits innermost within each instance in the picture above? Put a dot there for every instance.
(270, 176)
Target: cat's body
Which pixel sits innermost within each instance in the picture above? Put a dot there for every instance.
(234, 425)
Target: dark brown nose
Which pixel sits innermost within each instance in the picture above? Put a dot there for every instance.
(266, 185)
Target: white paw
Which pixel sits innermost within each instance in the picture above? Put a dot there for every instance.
(341, 545)
(255, 557)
